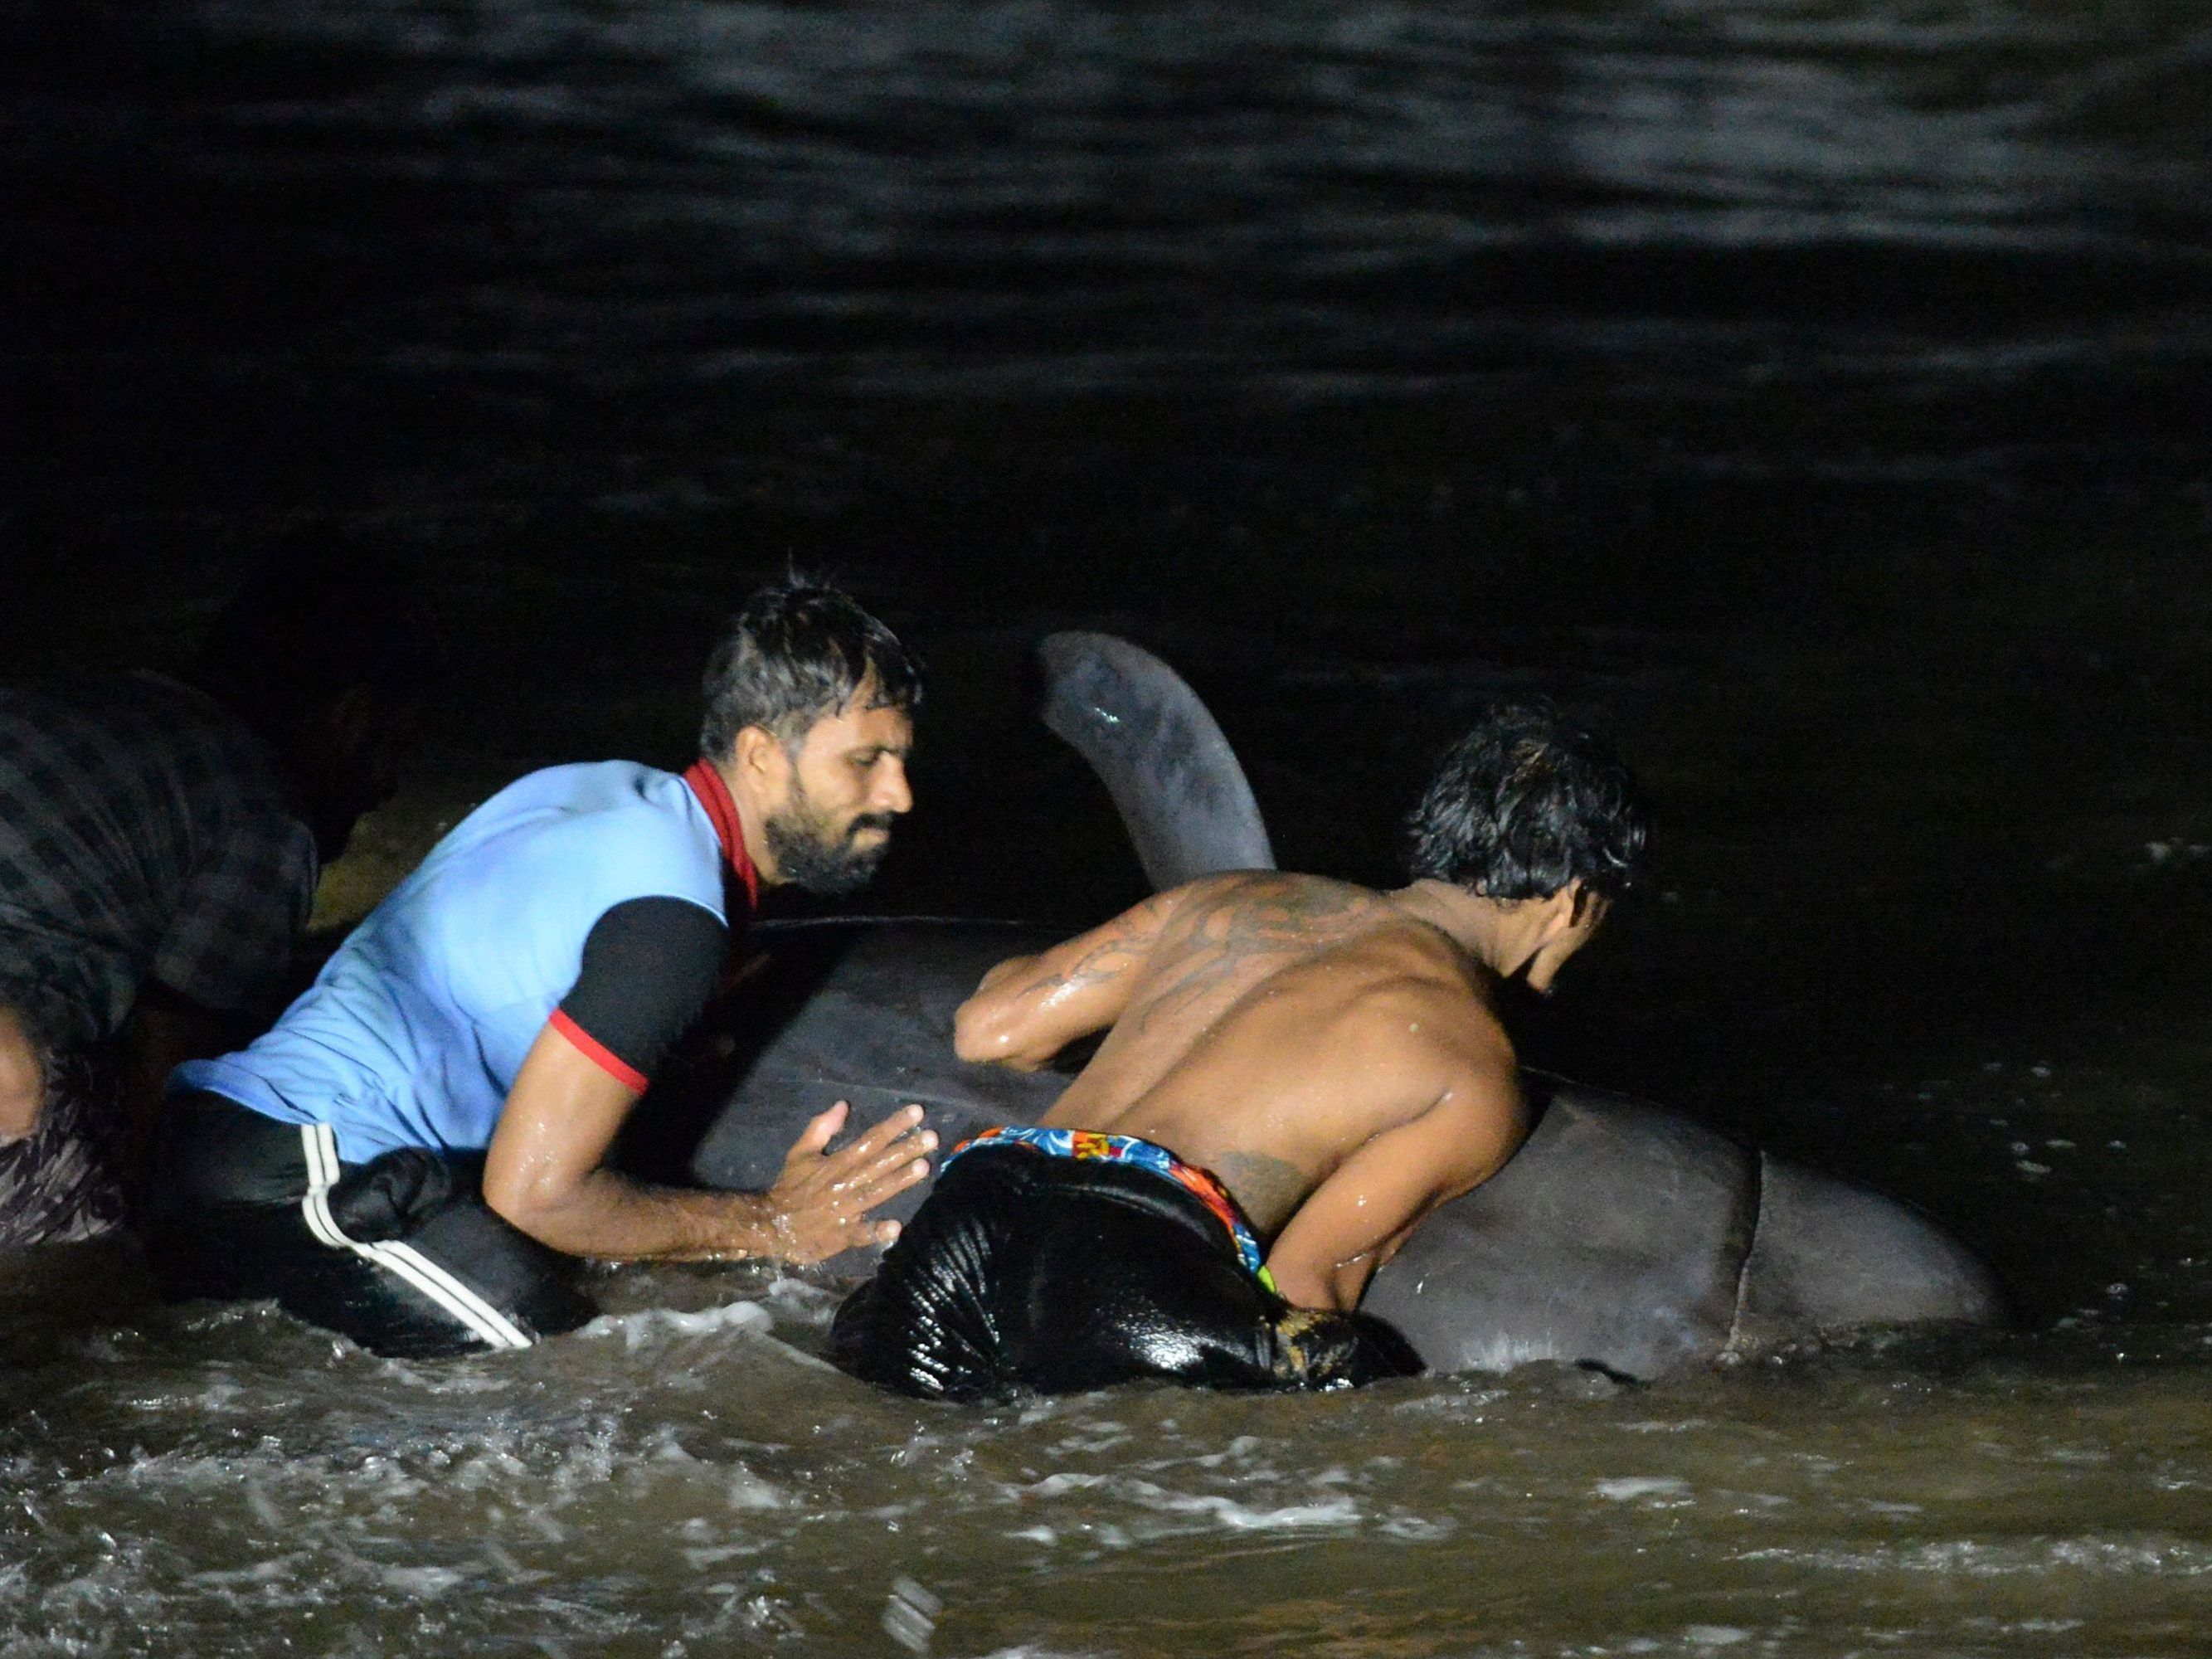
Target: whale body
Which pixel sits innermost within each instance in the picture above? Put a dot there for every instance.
(1621, 1235)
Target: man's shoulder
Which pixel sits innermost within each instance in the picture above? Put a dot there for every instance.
(1260, 885)
(609, 829)
(182, 780)
(623, 799)
(1282, 899)
(587, 785)
(1425, 997)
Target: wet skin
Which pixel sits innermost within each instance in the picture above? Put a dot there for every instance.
(22, 1078)
(845, 777)
(1331, 1053)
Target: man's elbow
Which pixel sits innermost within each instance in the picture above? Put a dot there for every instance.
(22, 1078)
(533, 1207)
(969, 1036)
(983, 1034)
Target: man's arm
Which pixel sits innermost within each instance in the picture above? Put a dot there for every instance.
(1356, 1218)
(544, 1174)
(1029, 1008)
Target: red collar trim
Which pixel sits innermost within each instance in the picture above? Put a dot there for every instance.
(705, 783)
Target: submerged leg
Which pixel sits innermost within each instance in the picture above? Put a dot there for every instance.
(1122, 1294)
(400, 1253)
(1025, 1271)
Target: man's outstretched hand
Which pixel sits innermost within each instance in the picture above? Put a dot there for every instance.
(819, 1206)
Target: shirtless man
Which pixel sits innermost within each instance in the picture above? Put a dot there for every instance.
(1296, 1071)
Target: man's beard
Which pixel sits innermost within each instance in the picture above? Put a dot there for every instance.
(814, 854)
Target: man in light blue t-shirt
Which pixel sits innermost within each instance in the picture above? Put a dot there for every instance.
(415, 1154)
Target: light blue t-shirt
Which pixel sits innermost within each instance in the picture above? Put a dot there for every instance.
(412, 1034)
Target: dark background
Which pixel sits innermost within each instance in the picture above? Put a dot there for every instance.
(1814, 395)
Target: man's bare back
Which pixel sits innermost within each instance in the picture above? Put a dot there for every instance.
(1331, 1053)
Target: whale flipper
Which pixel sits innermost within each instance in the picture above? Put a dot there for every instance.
(1173, 776)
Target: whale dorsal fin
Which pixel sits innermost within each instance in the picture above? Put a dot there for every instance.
(1173, 776)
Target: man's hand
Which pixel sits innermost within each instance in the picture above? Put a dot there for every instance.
(22, 1078)
(819, 1207)
(544, 1172)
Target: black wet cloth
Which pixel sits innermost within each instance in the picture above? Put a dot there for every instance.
(401, 1254)
(144, 833)
(57, 1183)
(1025, 1271)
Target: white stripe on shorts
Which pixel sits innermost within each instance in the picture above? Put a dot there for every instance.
(402, 1261)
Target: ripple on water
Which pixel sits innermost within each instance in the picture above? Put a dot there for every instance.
(693, 1474)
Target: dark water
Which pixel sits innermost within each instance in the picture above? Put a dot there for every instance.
(1816, 393)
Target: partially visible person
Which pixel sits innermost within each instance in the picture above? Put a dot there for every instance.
(416, 1155)
(1296, 1071)
(159, 840)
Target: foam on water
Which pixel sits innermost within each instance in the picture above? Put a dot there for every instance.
(1681, 282)
(688, 1483)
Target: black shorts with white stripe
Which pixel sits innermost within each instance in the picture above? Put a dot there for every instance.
(401, 1254)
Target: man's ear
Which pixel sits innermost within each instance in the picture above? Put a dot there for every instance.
(760, 757)
(1563, 910)
(1585, 902)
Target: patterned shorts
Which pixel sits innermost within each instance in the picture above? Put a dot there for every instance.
(58, 1183)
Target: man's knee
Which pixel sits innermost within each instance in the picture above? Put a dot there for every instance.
(22, 1078)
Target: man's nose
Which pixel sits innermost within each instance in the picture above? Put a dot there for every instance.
(891, 792)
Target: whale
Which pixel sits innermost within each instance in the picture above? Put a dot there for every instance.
(1621, 1236)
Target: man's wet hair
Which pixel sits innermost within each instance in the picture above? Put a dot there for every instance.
(316, 617)
(1527, 803)
(799, 650)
